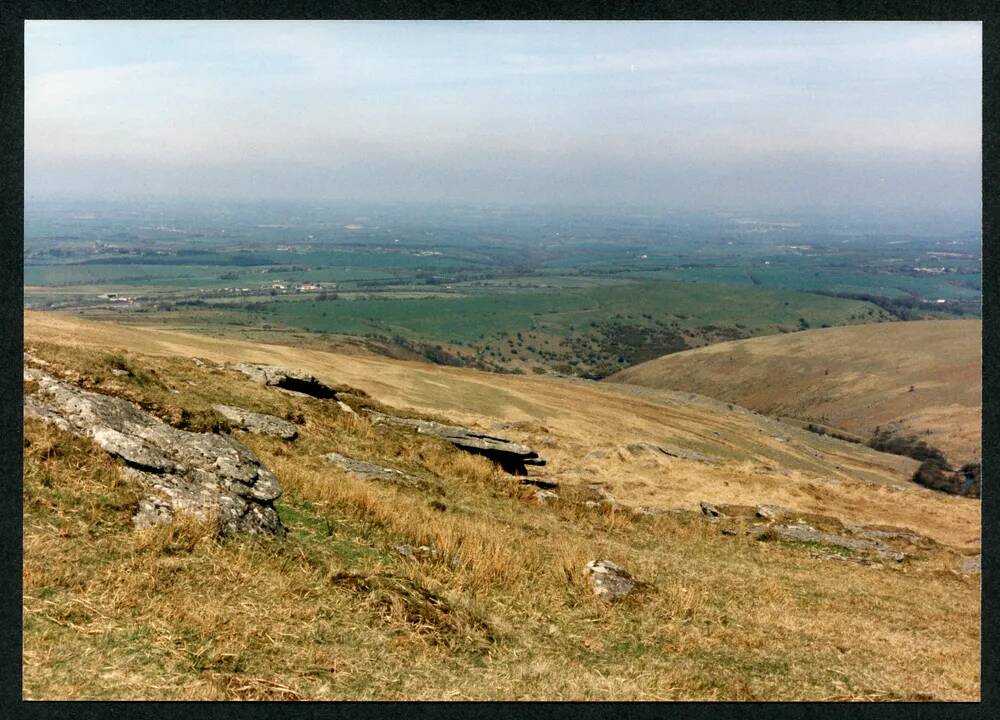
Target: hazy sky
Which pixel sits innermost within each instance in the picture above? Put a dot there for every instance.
(754, 115)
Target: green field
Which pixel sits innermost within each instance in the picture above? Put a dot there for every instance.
(778, 277)
(466, 319)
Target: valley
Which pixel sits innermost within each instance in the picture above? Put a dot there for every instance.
(505, 290)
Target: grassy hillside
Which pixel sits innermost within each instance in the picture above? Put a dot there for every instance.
(924, 376)
(333, 611)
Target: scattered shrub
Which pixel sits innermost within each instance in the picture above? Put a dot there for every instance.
(908, 445)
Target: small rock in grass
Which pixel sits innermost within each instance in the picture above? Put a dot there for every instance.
(608, 580)
(972, 565)
(545, 495)
(419, 552)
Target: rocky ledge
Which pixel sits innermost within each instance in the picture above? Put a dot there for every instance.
(512, 457)
(199, 473)
(257, 422)
(293, 381)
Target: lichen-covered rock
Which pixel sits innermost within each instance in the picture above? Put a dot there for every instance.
(199, 473)
(257, 422)
(608, 580)
(293, 381)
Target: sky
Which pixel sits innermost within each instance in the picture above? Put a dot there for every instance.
(686, 115)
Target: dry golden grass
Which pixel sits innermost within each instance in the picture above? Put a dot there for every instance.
(855, 378)
(763, 461)
(332, 611)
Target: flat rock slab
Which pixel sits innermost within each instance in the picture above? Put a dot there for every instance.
(882, 533)
(608, 580)
(200, 473)
(370, 471)
(512, 457)
(805, 533)
(294, 381)
(257, 422)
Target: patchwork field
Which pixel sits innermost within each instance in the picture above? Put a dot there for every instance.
(560, 292)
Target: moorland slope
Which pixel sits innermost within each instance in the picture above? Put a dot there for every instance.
(409, 553)
(923, 378)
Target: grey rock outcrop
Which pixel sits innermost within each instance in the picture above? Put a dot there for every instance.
(370, 471)
(805, 533)
(708, 509)
(608, 580)
(345, 407)
(257, 422)
(293, 381)
(512, 457)
(772, 512)
(199, 473)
